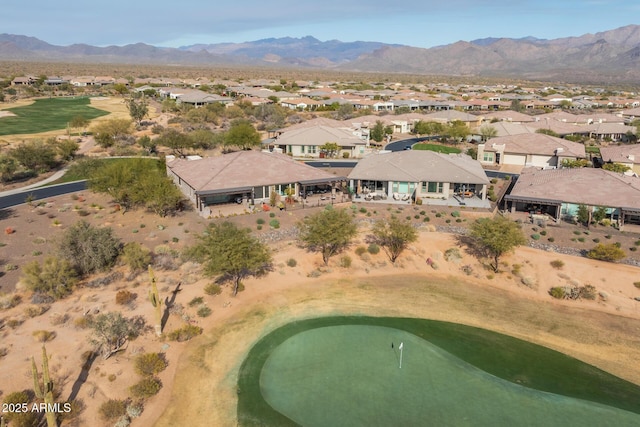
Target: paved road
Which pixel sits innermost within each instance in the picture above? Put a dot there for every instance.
(403, 144)
(16, 199)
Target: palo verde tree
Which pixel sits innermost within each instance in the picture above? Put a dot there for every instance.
(138, 109)
(231, 253)
(496, 236)
(394, 236)
(329, 232)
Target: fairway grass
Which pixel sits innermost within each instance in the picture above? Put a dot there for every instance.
(437, 148)
(343, 371)
(47, 115)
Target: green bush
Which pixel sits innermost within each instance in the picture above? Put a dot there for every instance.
(212, 289)
(609, 252)
(345, 261)
(55, 277)
(543, 232)
(260, 221)
(196, 301)
(149, 364)
(373, 249)
(274, 223)
(455, 214)
(272, 214)
(636, 284)
(112, 409)
(535, 236)
(426, 219)
(291, 262)
(145, 388)
(185, 333)
(596, 240)
(204, 311)
(557, 292)
(360, 250)
(551, 239)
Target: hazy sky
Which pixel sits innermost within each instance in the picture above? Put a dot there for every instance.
(421, 23)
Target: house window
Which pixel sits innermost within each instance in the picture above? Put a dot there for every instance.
(312, 149)
(432, 187)
(487, 157)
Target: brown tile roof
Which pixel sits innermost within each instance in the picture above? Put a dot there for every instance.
(621, 153)
(537, 143)
(245, 169)
(420, 166)
(588, 186)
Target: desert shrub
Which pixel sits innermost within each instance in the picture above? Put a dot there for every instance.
(125, 297)
(426, 219)
(557, 264)
(363, 210)
(19, 419)
(609, 252)
(203, 311)
(596, 240)
(452, 254)
(145, 388)
(36, 310)
(14, 323)
(196, 301)
(577, 232)
(373, 249)
(43, 336)
(58, 318)
(136, 256)
(551, 239)
(360, 250)
(557, 292)
(134, 410)
(274, 223)
(516, 269)
(272, 214)
(588, 292)
(345, 261)
(54, 277)
(636, 284)
(10, 301)
(581, 239)
(212, 289)
(82, 322)
(455, 214)
(260, 221)
(3, 352)
(149, 364)
(112, 409)
(543, 232)
(103, 281)
(185, 333)
(88, 248)
(291, 262)
(535, 236)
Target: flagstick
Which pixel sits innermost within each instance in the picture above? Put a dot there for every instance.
(401, 346)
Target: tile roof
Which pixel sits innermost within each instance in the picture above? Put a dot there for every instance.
(537, 143)
(588, 186)
(420, 166)
(245, 169)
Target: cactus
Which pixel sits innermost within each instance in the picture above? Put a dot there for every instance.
(44, 392)
(156, 302)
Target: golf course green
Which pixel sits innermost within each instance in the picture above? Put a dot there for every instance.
(349, 371)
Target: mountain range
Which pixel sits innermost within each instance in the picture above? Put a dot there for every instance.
(603, 57)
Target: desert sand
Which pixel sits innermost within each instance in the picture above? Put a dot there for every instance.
(199, 386)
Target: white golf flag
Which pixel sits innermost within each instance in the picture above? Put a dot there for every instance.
(401, 345)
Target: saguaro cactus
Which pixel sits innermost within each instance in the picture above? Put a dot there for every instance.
(44, 392)
(156, 302)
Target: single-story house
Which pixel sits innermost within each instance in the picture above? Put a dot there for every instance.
(628, 155)
(246, 177)
(529, 149)
(306, 141)
(559, 192)
(425, 175)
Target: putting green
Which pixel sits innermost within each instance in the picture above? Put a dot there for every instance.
(349, 375)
